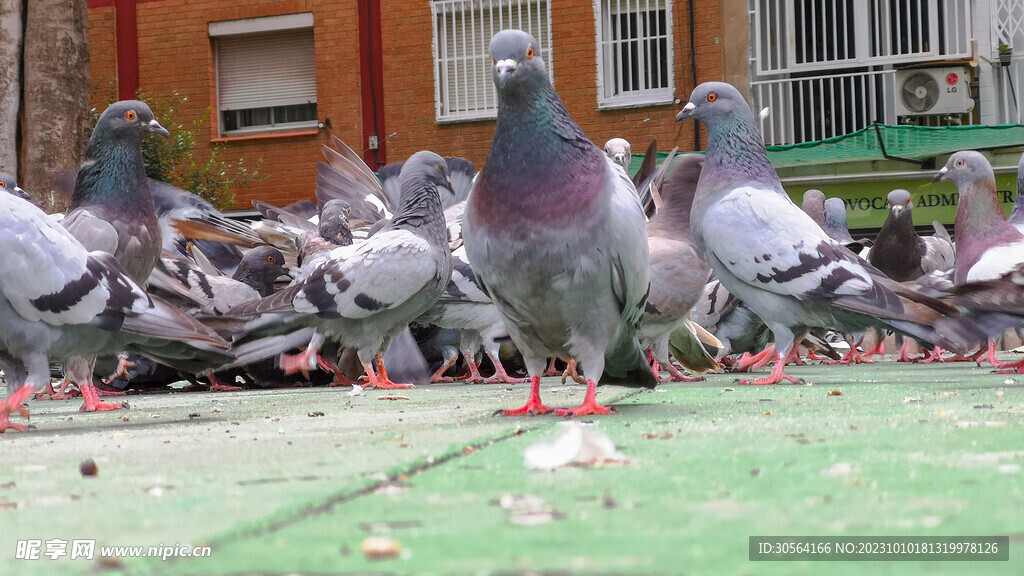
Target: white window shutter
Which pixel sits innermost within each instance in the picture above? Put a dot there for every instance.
(264, 70)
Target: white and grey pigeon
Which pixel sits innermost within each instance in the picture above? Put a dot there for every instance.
(466, 308)
(112, 209)
(620, 151)
(771, 254)
(362, 295)
(58, 300)
(987, 245)
(173, 203)
(10, 185)
(555, 233)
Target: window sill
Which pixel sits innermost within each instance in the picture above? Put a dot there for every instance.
(623, 104)
(266, 135)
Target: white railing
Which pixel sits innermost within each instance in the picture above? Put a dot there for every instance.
(819, 107)
(1008, 84)
(810, 35)
(1008, 29)
(463, 29)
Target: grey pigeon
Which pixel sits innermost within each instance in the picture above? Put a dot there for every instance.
(990, 307)
(619, 150)
(678, 275)
(460, 171)
(987, 245)
(177, 277)
(465, 307)
(364, 294)
(58, 300)
(1017, 215)
(173, 203)
(10, 185)
(112, 210)
(814, 206)
(555, 233)
(835, 222)
(771, 254)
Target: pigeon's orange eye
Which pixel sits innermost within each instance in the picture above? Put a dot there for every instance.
(712, 97)
(130, 115)
(529, 53)
(960, 163)
(3, 184)
(270, 259)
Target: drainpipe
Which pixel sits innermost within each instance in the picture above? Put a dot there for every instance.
(127, 45)
(371, 64)
(693, 70)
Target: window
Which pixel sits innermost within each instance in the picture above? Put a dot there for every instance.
(463, 89)
(634, 55)
(266, 73)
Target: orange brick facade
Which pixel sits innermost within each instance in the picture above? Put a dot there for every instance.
(175, 55)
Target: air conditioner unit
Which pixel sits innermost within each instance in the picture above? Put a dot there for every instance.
(925, 91)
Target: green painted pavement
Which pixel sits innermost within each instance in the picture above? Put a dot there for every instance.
(903, 450)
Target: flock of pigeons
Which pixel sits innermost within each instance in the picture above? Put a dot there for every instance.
(550, 246)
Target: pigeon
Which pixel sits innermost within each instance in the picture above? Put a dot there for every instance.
(987, 246)
(466, 308)
(10, 185)
(554, 232)
(814, 206)
(112, 210)
(678, 275)
(364, 294)
(774, 256)
(460, 171)
(1017, 214)
(173, 203)
(59, 300)
(900, 252)
(618, 149)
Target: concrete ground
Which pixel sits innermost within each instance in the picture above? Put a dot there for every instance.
(297, 480)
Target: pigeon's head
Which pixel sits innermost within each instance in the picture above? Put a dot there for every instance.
(260, 267)
(619, 150)
(899, 201)
(814, 205)
(129, 118)
(835, 212)
(516, 60)
(334, 222)
(7, 184)
(965, 168)
(426, 167)
(713, 99)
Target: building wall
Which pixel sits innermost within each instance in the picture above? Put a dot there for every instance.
(175, 55)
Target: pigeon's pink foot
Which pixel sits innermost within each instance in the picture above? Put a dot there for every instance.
(990, 356)
(500, 376)
(676, 375)
(474, 371)
(551, 371)
(380, 378)
(104, 389)
(91, 401)
(852, 357)
(122, 368)
(812, 356)
(570, 370)
(301, 362)
(218, 386)
(339, 378)
(438, 375)
(747, 363)
(879, 349)
(533, 406)
(1014, 368)
(589, 406)
(935, 355)
(15, 403)
(778, 375)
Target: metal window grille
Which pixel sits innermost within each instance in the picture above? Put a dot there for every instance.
(463, 89)
(1008, 28)
(634, 56)
(266, 81)
(825, 67)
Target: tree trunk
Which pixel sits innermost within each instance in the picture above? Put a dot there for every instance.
(11, 29)
(56, 119)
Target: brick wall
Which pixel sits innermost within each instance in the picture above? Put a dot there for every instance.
(175, 55)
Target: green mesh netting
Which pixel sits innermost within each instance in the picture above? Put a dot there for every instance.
(916, 143)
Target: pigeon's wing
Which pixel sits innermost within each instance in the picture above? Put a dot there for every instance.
(630, 264)
(997, 261)
(92, 230)
(360, 281)
(678, 276)
(938, 254)
(464, 287)
(782, 250)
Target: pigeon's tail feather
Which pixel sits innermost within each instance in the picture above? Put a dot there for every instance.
(625, 365)
(167, 335)
(278, 302)
(405, 361)
(461, 173)
(820, 346)
(686, 346)
(269, 346)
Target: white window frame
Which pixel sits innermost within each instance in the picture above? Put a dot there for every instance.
(225, 30)
(608, 75)
(456, 60)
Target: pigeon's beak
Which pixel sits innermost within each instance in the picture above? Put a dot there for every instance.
(21, 193)
(940, 175)
(156, 128)
(896, 210)
(686, 112)
(503, 70)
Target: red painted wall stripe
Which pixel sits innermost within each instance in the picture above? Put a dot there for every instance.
(127, 42)
(371, 70)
